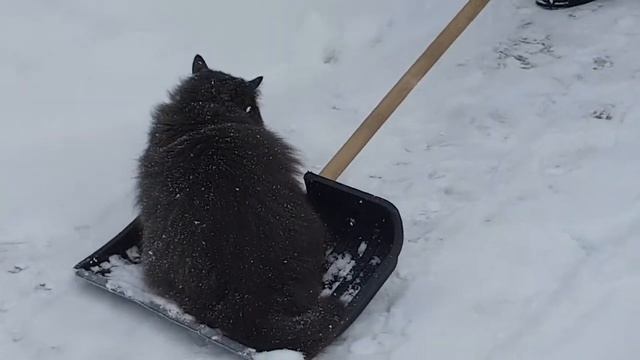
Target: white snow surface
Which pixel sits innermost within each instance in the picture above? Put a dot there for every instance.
(128, 279)
(279, 355)
(513, 163)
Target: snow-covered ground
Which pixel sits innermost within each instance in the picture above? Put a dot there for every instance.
(513, 164)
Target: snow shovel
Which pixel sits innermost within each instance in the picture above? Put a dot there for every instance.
(367, 230)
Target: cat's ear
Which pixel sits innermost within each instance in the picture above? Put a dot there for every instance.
(255, 83)
(198, 64)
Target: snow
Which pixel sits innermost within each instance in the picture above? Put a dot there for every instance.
(340, 269)
(279, 355)
(127, 278)
(513, 164)
(362, 248)
(341, 265)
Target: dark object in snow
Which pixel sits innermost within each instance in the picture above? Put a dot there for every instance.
(43, 286)
(560, 4)
(17, 269)
(229, 234)
(353, 216)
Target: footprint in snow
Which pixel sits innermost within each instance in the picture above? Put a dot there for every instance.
(602, 62)
(525, 51)
(17, 269)
(16, 336)
(330, 56)
(603, 113)
(43, 287)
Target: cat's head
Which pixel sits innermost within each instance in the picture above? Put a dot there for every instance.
(212, 95)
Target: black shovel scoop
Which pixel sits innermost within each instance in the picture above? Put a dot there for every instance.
(368, 230)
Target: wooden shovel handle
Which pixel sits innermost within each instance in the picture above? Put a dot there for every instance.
(401, 89)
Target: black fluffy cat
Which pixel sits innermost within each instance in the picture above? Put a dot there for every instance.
(228, 232)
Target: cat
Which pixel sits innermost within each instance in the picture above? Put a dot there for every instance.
(228, 234)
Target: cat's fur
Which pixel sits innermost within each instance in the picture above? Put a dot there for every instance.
(228, 233)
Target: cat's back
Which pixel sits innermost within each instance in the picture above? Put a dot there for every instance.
(230, 173)
(228, 155)
(232, 190)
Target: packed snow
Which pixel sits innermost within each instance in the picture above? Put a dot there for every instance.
(279, 355)
(127, 278)
(340, 270)
(513, 164)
